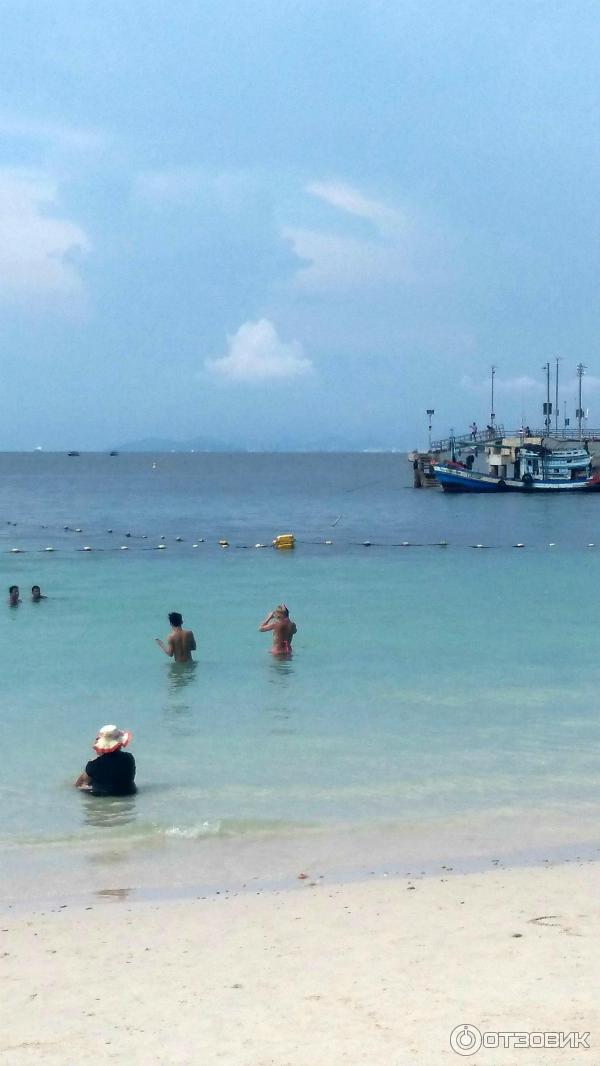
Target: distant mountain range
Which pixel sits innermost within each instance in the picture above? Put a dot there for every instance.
(208, 444)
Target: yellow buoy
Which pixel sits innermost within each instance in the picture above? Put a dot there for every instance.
(284, 541)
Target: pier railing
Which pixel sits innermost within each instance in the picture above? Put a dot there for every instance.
(485, 436)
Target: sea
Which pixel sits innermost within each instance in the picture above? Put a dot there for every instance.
(440, 710)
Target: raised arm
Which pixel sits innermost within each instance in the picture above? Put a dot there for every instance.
(267, 623)
(168, 649)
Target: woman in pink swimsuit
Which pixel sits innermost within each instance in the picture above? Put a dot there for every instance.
(279, 623)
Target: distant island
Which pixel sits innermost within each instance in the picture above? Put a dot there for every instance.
(206, 444)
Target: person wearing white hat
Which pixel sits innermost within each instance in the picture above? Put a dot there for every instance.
(112, 773)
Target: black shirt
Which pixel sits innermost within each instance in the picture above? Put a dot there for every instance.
(112, 774)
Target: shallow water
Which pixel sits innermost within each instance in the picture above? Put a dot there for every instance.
(428, 685)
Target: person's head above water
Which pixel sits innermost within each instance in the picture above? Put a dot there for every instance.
(110, 738)
(13, 589)
(175, 619)
(13, 594)
(36, 592)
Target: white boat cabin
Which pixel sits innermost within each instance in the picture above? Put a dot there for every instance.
(539, 459)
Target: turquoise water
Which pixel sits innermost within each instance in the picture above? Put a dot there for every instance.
(427, 684)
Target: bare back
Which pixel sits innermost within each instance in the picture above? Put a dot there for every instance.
(181, 644)
(283, 631)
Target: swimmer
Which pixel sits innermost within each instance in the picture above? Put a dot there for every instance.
(113, 772)
(36, 594)
(180, 642)
(13, 596)
(279, 623)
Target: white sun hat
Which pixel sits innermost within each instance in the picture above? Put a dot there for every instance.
(110, 738)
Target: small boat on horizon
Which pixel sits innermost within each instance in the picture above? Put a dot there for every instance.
(72, 453)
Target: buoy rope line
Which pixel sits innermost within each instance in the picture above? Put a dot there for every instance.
(224, 544)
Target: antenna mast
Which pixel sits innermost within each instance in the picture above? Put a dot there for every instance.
(580, 373)
(556, 398)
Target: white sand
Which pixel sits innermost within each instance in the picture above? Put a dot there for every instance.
(324, 975)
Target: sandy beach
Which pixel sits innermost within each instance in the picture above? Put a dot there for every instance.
(377, 972)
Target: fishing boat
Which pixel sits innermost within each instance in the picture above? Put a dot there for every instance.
(520, 464)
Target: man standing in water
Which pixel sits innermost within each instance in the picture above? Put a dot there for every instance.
(180, 642)
(279, 623)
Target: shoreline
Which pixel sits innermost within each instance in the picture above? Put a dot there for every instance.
(372, 972)
(168, 868)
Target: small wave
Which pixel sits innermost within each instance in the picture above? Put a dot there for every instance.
(135, 834)
(194, 832)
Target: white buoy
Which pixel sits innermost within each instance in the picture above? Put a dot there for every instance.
(328, 542)
(552, 544)
(86, 549)
(179, 539)
(78, 530)
(161, 546)
(15, 551)
(405, 544)
(443, 543)
(479, 545)
(124, 547)
(194, 545)
(366, 543)
(49, 549)
(591, 545)
(519, 545)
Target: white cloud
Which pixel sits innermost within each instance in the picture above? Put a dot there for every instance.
(331, 262)
(403, 249)
(38, 250)
(348, 199)
(256, 352)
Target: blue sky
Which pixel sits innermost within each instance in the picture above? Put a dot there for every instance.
(294, 222)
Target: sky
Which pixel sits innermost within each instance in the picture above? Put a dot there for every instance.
(295, 223)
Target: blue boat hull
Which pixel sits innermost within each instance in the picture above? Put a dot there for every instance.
(456, 479)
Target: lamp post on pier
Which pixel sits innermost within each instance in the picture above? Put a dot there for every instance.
(430, 414)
